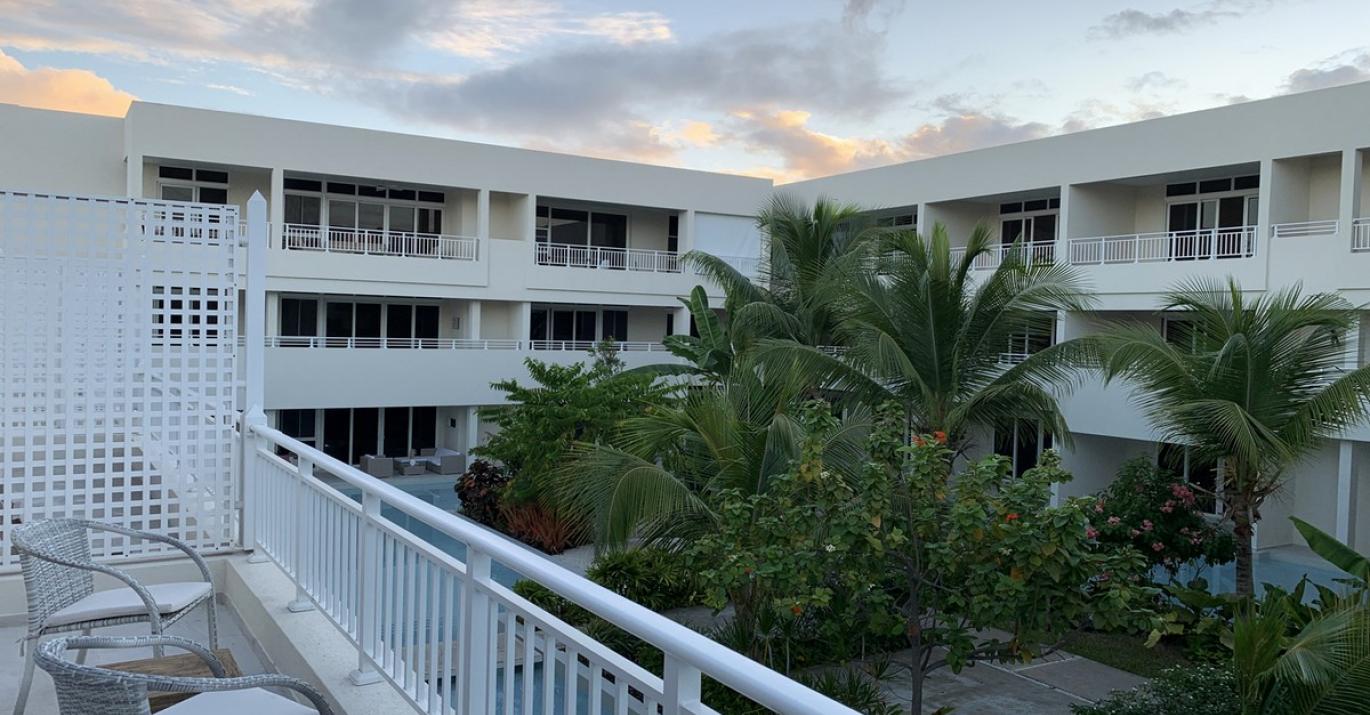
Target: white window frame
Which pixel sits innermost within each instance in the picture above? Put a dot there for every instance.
(325, 196)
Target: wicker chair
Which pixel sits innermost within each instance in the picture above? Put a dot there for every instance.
(87, 690)
(59, 580)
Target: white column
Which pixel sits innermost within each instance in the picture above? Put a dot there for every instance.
(530, 217)
(472, 430)
(686, 237)
(1346, 492)
(277, 204)
(1265, 199)
(254, 331)
(1352, 162)
(1062, 221)
(473, 319)
(483, 215)
(680, 325)
(134, 177)
(523, 323)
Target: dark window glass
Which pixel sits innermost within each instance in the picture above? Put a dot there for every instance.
(365, 432)
(1204, 474)
(1054, 204)
(1247, 182)
(396, 432)
(1044, 228)
(430, 221)
(694, 329)
(1038, 205)
(436, 197)
(1003, 441)
(303, 209)
(426, 322)
(537, 325)
(1011, 230)
(1232, 213)
(1011, 208)
(670, 323)
(338, 320)
(211, 176)
(336, 188)
(399, 325)
(1025, 449)
(673, 233)
(304, 185)
(425, 428)
(297, 423)
(563, 325)
(209, 195)
(609, 231)
(175, 172)
(1179, 333)
(568, 226)
(299, 316)
(337, 432)
(585, 325)
(1184, 217)
(1214, 185)
(368, 322)
(1170, 457)
(372, 191)
(402, 194)
(615, 325)
(1183, 189)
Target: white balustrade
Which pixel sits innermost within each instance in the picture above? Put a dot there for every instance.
(1304, 229)
(608, 258)
(318, 341)
(332, 239)
(445, 634)
(1204, 244)
(1360, 235)
(1035, 253)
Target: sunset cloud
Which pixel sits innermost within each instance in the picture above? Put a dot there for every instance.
(71, 90)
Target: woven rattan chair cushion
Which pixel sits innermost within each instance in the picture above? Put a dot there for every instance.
(170, 597)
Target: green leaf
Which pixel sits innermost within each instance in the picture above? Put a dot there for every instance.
(1333, 550)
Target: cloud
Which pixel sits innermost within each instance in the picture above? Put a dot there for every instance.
(805, 152)
(1346, 68)
(71, 90)
(1153, 81)
(856, 14)
(1130, 22)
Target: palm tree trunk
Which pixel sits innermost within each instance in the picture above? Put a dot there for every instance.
(1242, 533)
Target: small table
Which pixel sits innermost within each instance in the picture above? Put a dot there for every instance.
(186, 665)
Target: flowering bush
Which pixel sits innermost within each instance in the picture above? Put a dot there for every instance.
(1154, 511)
(480, 489)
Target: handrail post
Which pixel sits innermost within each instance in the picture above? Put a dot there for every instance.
(476, 648)
(368, 591)
(252, 483)
(681, 686)
(300, 531)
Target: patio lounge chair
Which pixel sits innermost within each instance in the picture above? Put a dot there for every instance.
(59, 581)
(87, 690)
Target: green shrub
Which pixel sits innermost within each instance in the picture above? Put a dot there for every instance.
(655, 578)
(480, 489)
(1189, 690)
(1156, 512)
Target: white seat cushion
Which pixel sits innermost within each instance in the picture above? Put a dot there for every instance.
(237, 702)
(116, 602)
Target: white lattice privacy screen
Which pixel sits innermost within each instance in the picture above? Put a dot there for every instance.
(118, 321)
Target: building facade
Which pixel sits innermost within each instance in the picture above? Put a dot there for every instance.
(406, 273)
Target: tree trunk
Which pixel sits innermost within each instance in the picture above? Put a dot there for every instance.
(1242, 534)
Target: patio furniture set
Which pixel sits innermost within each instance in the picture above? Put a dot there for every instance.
(59, 569)
(439, 460)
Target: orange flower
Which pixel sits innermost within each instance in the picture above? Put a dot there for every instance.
(1011, 516)
(919, 441)
(796, 609)
(940, 436)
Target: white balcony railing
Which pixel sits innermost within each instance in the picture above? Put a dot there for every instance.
(1198, 245)
(318, 341)
(614, 259)
(1038, 253)
(1304, 229)
(303, 237)
(444, 633)
(1360, 235)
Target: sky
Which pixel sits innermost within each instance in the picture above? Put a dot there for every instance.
(786, 89)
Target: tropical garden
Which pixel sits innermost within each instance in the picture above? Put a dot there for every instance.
(817, 471)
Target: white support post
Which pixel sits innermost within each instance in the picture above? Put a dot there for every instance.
(472, 430)
(475, 650)
(277, 228)
(685, 239)
(1349, 209)
(682, 687)
(1061, 247)
(524, 324)
(473, 319)
(1346, 492)
(133, 179)
(254, 329)
(483, 215)
(368, 592)
(298, 494)
(1265, 200)
(680, 324)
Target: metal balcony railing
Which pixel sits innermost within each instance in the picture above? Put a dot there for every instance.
(606, 258)
(1204, 244)
(354, 343)
(449, 638)
(1304, 229)
(1360, 235)
(1038, 253)
(303, 237)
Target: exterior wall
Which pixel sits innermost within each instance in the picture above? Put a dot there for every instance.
(1095, 460)
(61, 152)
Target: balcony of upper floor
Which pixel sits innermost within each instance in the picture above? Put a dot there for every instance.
(1026, 223)
(346, 351)
(1319, 235)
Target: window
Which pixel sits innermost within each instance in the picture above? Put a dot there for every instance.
(365, 433)
(396, 442)
(1029, 221)
(399, 327)
(615, 325)
(368, 327)
(179, 183)
(1184, 462)
(342, 214)
(299, 317)
(298, 424)
(1032, 338)
(1022, 443)
(177, 192)
(673, 233)
(305, 210)
(609, 230)
(338, 320)
(426, 322)
(577, 227)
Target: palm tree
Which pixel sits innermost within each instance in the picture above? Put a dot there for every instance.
(928, 332)
(660, 479)
(806, 246)
(1257, 385)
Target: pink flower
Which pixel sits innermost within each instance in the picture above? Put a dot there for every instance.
(1099, 507)
(1114, 521)
(1146, 525)
(1158, 546)
(1091, 532)
(1168, 506)
(1134, 533)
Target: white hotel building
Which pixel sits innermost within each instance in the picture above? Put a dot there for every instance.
(407, 273)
